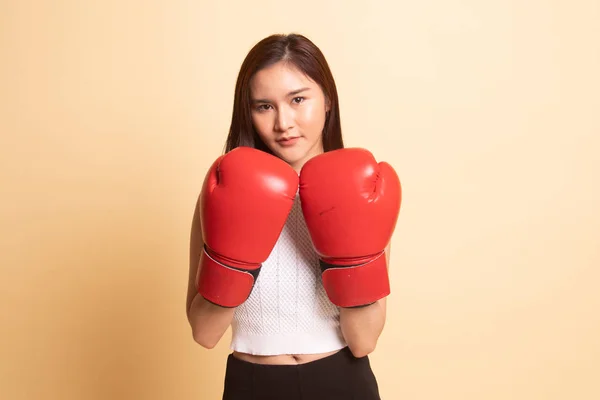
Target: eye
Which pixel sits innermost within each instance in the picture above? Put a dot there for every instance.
(298, 100)
(263, 107)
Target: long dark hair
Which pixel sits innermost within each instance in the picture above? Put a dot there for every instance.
(308, 58)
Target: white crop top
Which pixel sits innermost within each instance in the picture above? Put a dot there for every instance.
(288, 311)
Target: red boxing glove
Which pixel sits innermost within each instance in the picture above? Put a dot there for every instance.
(245, 201)
(351, 205)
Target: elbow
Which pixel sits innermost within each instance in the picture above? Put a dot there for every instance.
(360, 350)
(205, 341)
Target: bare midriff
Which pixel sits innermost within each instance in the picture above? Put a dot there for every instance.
(283, 359)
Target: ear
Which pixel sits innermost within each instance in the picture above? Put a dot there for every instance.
(327, 105)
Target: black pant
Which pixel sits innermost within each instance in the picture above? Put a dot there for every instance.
(339, 376)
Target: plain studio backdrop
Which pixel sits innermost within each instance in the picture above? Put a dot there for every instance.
(111, 113)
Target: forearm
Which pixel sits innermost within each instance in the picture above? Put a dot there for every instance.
(362, 327)
(209, 322)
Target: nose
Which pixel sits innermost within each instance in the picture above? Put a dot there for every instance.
(284, 119)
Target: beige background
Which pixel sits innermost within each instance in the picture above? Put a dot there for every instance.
(112, 111)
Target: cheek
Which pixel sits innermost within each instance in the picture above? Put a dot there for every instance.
(312, 117)
(261, 124)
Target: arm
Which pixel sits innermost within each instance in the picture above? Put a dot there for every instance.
(208, 321)
(362, 326)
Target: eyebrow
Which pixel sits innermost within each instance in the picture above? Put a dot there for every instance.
(292, 93)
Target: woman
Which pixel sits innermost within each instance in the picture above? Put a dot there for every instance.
(289, 340)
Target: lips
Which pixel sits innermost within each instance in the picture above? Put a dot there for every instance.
(289, 141)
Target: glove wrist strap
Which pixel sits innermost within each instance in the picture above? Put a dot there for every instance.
(223, 285)
(356, 285)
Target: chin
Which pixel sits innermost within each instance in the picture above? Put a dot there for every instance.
(290, 156)
(290, 159)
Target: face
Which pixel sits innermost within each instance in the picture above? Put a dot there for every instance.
(288, 112)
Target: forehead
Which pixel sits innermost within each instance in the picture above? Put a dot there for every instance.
(278, 80)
